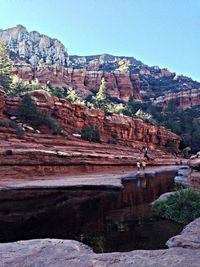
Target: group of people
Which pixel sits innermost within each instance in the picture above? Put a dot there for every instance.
(143, 162)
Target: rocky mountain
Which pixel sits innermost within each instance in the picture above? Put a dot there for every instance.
(37, 56)
(33, 47)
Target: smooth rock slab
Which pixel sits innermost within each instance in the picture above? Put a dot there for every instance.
(189, 237)
(62, 253)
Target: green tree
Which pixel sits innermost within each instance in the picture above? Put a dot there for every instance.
(132, 106)
(186, 151)
(73, 97)
(5, 67)
(101, 99)
(28, 110)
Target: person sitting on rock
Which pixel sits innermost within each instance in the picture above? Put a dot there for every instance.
(144, 165)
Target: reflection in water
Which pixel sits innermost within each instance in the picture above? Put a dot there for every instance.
(105, 220)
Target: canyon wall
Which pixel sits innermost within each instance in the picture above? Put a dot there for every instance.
(85, 82)
(74, 118)
(185, 99)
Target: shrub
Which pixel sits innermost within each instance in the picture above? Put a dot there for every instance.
(91, 134)
(112, 141)
(114, 138)
(52, 124)
(29, 112)
(115, 135)
(186, 151)
(182, 207)
(20, 132)
(170, 145)
(8, 124)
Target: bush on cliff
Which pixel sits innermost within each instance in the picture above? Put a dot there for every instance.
(8, 124)
(171, 146)
(182, 207)
(20, 132)
(5, 67)
(73, 98)
(91, 134)
(28, 112)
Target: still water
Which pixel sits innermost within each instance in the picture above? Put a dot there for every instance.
(106, 220)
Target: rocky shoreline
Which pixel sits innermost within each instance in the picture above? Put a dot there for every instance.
(110, 179)
(183, 251)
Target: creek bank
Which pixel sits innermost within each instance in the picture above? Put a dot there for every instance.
(110, 179)
(183, 176)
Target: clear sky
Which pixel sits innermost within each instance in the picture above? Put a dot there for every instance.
(158, 32)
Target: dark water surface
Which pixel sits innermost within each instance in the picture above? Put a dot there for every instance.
(103, 219)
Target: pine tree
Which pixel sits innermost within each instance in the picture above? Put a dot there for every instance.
(5, 67)
(101, 99)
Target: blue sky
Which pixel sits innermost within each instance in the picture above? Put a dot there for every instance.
(158, 32)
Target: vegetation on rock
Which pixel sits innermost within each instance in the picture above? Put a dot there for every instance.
(20, 132)
(8, 124)
(171, 146)
(73, 97)
(101, 99)
(5, 67)
(91, 134)
(28, 112)
(182, 207)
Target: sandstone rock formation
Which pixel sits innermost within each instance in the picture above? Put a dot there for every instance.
(43, 153)
(188, 238)
(183, 99)
(37, 56)
(74, 118)
(85, 82)
(194, 163)
(184, 251)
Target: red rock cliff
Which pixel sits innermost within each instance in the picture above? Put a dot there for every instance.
(119, 85)
(184, 100)
(76, 117)
(41, 153)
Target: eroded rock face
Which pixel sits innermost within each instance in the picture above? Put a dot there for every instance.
(38, 56)
(85, 82)
(77, 117)
(184, 251)
(184, 99)
(33, 46)
(41, 153)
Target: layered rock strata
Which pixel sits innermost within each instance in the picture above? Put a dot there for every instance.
(74, 118)
(43, 153)
(184, 100)
(85, 82)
